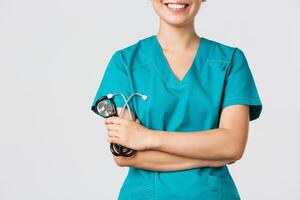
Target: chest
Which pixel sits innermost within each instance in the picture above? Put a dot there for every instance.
(179, 62)
(194, 105)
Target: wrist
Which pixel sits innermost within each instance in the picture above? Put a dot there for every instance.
(154, 139)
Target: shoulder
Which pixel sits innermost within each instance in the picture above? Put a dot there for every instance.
(135, 54)
(139, 52)
(223, 52)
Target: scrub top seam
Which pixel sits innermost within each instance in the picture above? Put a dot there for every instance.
(218, 61)
(123, 62)
(142, 65)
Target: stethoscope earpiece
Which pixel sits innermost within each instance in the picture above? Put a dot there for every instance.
(144, 97)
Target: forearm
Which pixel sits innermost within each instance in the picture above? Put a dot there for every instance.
(161, 161)
(213, 144)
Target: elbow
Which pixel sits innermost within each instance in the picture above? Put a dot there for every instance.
(121, 161)
(238, 155)
(235, 153)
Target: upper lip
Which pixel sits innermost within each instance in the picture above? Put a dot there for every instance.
(175, 2)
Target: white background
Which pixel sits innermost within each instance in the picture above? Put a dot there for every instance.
(52, 57)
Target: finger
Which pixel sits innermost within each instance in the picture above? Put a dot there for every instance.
(113, 134)
(112, 127)
(115, 120)
(113, 140)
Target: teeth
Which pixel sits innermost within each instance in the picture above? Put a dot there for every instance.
(176, 6)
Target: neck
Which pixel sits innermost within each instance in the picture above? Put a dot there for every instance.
(177, 38)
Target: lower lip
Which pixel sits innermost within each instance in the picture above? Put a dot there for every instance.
(176, 10)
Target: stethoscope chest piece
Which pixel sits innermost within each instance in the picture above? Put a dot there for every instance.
(105, 107)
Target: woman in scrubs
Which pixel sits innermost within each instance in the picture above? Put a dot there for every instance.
(195, 121)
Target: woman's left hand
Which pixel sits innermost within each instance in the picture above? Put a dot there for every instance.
(128, 133)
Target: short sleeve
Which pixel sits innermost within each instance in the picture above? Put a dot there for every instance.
(114, 80)
(240, 87)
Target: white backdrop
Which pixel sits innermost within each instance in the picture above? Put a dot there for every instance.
(52, 57)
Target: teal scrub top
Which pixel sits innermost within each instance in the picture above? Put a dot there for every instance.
(219, 77)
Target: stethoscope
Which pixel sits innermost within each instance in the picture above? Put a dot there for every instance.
(106, 107)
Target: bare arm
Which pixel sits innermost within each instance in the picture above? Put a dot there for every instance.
(226, 142)
(162, 161)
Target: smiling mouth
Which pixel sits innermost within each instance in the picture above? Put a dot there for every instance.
(176, 6)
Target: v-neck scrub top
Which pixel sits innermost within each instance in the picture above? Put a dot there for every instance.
(218, 77)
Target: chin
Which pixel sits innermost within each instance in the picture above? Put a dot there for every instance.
(176, 22)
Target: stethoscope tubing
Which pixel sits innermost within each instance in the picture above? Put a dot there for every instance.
(117, 149)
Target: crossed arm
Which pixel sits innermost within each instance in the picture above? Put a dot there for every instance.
(175, 151)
